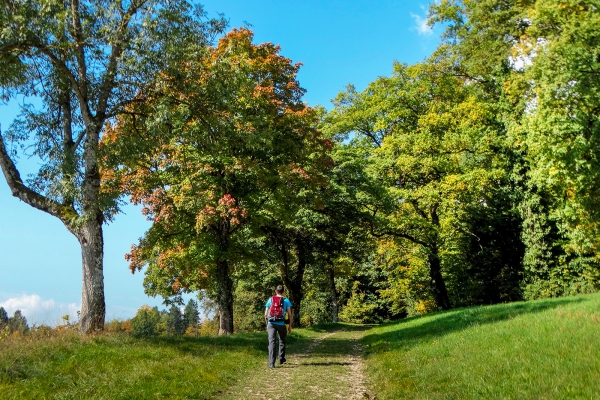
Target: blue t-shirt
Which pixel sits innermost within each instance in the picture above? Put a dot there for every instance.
(286, 304)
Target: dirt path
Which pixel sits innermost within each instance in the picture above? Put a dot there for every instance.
(321, 365)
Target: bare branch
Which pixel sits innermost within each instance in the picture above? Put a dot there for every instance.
(81, 65)
(395, 234)
(13, 178)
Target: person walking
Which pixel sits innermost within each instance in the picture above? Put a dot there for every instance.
(275, 310)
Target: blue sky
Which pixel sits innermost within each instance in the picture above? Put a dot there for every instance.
(339, 42)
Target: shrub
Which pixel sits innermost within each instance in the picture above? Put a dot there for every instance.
(144, 324)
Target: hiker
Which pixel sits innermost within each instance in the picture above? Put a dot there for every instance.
(275, 310)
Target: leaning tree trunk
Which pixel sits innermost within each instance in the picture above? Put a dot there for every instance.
(93, 308)
(437, 281)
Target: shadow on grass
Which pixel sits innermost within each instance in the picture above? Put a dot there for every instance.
(332, 327)
(409, 332)
(256, 341)
(208, 344)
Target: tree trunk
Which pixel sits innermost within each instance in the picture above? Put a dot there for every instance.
(295, 297)
(93, 309)
(224, 298)
(437, 282)
(334, 295)
(294, 286)
(283, 239)
(293, 289)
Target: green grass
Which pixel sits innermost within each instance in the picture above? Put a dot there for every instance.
(121, 367)
(535, 350)
(547, 349)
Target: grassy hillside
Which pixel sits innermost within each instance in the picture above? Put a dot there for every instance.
(546, 349)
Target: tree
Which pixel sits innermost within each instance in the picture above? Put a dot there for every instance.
(191, 315)
(145, 322)
(293, 255)
(3, 318)
(217, 140)
(561, 132)
(539, 59)
(18, 322)
(431, 144)
(85, 62)
(175, 323)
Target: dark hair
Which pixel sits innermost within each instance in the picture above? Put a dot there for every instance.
(279, 289)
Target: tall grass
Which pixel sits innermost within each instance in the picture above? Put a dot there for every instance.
(547, 349)
(118, 366)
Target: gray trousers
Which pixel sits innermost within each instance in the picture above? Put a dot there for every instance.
(282, 331)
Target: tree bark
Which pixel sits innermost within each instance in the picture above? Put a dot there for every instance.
(90, 237)
(287, 282)
(435, 266)
(294, 286)
(224, 298)
(93, 309)
(334, 295)
(223, 280)
(436, 280)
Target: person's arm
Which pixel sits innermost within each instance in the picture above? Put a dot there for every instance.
(291, 317)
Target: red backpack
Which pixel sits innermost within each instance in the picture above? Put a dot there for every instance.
(276, 310)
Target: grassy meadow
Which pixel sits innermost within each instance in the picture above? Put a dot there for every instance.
(546, 349)
(118, 366)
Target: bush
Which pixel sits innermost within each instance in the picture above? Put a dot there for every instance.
(144, 324)
(116, 326)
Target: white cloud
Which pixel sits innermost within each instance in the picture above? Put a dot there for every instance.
(421, 25)
(40, 311)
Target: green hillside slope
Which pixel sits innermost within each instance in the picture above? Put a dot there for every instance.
(547, 349)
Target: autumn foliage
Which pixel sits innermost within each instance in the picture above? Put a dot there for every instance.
(207, 147)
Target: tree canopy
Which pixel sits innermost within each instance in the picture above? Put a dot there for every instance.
(85, 62)
(468, 178)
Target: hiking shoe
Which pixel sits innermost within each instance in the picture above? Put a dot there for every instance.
(271, 366)
(282, 361)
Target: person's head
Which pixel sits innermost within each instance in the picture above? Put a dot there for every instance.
(279, 289)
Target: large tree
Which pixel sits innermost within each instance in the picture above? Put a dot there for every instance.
(432, 145)
(84, 62)
(220, 140)
(538, 59)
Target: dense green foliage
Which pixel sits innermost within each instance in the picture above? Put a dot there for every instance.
(469, 178)
(16, 323)
(465, 179)
(537, 60)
